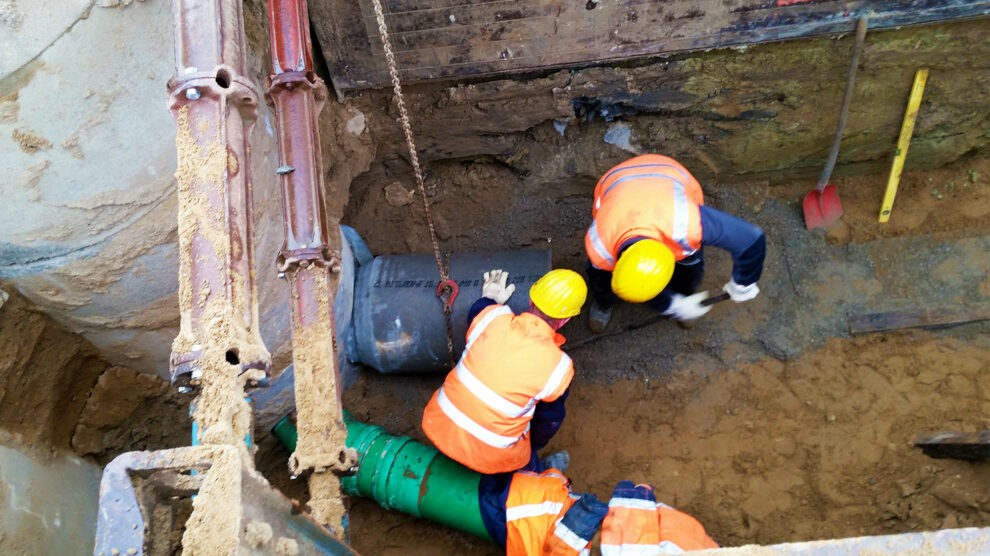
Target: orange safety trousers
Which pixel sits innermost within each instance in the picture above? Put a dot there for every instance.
(533, 509)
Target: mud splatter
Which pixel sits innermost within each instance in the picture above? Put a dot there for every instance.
(71, 146)
(29, 141)
(32, 177)
(9, 108)
(257, 533)
(214, 527)
(321, 432)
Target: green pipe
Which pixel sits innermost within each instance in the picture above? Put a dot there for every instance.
(402, 474)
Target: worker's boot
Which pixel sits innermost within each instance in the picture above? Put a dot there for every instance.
(598, 317)
(558, 460)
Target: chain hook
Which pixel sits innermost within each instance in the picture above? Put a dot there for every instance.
(447, 292)
(447, 289)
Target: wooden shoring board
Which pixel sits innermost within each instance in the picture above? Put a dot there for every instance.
(934, 318)
(459, 39)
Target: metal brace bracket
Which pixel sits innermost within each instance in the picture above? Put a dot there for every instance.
(321, 255)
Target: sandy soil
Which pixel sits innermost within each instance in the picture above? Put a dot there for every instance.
(774, 451)
(945, 203)
(46, 374)
(763, 445)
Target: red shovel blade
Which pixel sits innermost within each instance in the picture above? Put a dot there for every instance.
(821, 210)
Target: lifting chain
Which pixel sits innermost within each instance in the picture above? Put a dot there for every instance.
(447, 289)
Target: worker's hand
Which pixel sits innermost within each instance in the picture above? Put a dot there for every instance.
(741, 293)
(493, 286)
(687, 307)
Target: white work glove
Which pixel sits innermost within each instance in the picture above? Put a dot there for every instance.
(493, 286)
(687, 307)
(741, 293)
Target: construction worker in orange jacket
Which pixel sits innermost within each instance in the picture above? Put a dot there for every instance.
(533, 514)
(504, 399)
(649, 224)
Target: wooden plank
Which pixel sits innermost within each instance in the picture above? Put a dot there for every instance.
(453, 39)
(465, 35)
(934, 318)
(463, 17)
(971, 446)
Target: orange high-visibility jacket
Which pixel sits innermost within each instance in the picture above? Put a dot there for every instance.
(637, 524)
(480, 416)
(533, 509)
(649, 196)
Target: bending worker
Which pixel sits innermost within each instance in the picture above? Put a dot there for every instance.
(649, 224)
(504, 400)
(533, 514)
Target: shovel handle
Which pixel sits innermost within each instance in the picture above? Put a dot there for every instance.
(714, 300)
(833, 153)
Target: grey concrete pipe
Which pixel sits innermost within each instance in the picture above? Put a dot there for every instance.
(398, 322)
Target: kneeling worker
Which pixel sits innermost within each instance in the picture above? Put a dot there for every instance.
(534, 514)
(504, 400)
(649, 224)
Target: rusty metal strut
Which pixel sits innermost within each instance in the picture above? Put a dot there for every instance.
(215, 107)
(309, 262)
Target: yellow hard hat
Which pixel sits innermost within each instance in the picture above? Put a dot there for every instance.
(559, 293)
(642, 271)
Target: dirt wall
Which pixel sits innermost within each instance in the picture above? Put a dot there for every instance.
(46, 373)
(765, 108)
(749, 117)
(57, 394)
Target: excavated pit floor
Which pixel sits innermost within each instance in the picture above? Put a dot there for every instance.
(767, 421)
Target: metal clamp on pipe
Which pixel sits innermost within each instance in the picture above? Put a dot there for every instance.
(321, 256)
(301, 79)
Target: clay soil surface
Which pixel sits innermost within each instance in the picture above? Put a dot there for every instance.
(818, 447)
(948, 202)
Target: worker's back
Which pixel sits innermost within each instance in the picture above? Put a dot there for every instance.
(650, 196)
(480, 416)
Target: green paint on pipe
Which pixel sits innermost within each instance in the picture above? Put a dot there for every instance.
(402, 474)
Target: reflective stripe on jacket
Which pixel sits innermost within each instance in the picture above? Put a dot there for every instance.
(637, 525)
(650, 196)
(533, 509)
(480, 416)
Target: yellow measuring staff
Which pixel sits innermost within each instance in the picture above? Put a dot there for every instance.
(907, 129)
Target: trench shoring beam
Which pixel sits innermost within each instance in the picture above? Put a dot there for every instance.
(308, 261)
(145, 497)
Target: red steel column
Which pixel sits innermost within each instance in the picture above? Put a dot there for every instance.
(308, 262)
(215, 107)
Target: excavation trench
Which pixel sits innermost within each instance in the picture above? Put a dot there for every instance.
(768, 421)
